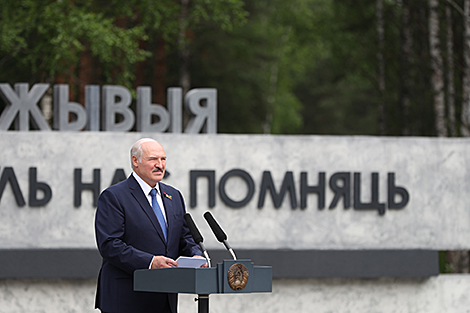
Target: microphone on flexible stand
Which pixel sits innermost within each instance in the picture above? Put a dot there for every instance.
(197, 236)
(218, 232)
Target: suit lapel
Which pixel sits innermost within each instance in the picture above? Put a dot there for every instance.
(141, 199)
(168, 209)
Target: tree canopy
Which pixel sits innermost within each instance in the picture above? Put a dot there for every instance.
(280, 67)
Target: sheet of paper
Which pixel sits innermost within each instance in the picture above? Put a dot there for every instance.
(184, 261)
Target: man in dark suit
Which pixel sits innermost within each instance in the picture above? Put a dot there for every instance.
(130, 236)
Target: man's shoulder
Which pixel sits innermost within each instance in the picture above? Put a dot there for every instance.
(169, 191)
(164, 186)
(122, 185)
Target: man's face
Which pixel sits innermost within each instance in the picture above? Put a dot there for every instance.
(152, 166)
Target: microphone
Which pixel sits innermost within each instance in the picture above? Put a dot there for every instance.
(218, 232)
(197, 236)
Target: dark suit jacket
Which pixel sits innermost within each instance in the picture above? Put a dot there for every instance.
(128, 235)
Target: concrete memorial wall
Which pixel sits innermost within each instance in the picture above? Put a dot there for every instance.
(324, 211)
(267, 192)
(276, 196)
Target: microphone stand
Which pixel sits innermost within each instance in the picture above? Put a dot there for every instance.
(227, 246)
(206, 254)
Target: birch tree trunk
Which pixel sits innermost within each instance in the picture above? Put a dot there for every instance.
(450, 72)
(459, 260)
(465, 115)
(437, 79)
(381, 65)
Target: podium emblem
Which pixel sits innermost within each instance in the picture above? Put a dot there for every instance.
(237, 276)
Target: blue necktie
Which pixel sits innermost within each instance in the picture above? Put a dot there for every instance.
(158, 211)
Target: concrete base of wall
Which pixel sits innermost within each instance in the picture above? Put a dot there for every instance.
(444, 293)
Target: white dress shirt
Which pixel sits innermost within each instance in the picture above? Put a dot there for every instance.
(146, 189)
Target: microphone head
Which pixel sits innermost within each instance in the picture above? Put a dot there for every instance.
(193, 229)
(216, 229)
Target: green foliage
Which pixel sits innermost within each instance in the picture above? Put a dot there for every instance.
(41, 40)
(281, 67)
(45, 38)
(337, 88)
(225, 13)
(254, 66)
(444, 266)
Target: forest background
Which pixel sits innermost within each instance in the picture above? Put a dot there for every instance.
(371, 67)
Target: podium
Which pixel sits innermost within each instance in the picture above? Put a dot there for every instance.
(229, 277)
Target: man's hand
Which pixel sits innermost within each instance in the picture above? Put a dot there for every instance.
(200, 257)
(160, 261)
